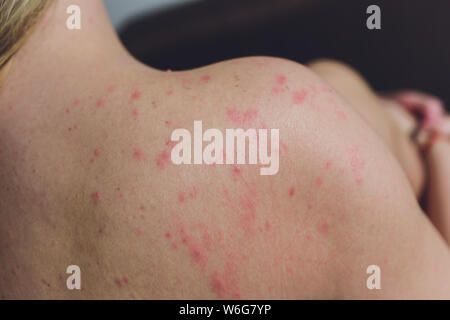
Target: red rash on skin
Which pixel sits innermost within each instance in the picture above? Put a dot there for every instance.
(205, 79)
(163, 159)
(299, 96)
(120, 282)
(100, 103)
(96, 197)
(45, 282)
(136, 95)
(322, 228)
(225, 284)
(291, 192)
(168, 235)
(138, 154)
(241, 118)
(357, 163)
(281, 79)
(319, 182)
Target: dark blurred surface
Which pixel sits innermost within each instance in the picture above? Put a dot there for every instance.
(410, 51)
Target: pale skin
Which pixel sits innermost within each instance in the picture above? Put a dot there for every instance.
(85, 179)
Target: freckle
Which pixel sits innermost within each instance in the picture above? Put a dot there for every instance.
(96, 197)
(170, 92)
(299, 96)
(281, 79)
(138, 155)
(205, 79)
(101, 103)
(322, 227)
(319, 181)
(136, 95)
(291, 191)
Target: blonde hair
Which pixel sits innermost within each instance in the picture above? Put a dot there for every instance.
(17, 17)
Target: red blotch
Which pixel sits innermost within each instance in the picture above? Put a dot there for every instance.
(135, 95)
(96, 197)
(168, 235)
(170, 92)
(205, 79)
(100, 103)
(322, 228)
(135, 113)
(181, 197)
(357, 163)
(76, 102)
(97, 152)
(291, 191)
(319, 181)
(328, 164)
(67, 111)
(138, 154)
(111, 89)
(241, 118)
(299, 96)
(281, 79)
(163, 159)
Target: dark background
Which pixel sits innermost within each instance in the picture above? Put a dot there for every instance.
(410, 51)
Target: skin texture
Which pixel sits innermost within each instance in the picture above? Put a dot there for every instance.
(86, 179)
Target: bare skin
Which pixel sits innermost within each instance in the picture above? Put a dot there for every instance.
(86, 179)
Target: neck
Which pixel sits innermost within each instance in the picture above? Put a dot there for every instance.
(53, 52)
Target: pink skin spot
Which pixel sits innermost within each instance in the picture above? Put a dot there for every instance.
(100, 230)
(100, 103)
(168, 235)
(193, 192)
(309, 206)
(281, 79)
(67, 111)
(267, 225)
(276, 90)
(322, 228)
(168, 70)
(319, 182)
(135, 95)
(291, 192)
(142, 208)
(10, 107)
(76, 102)
(181, 197)
(96, 197)
(205, 79)
(170, 92)
(45, 282)
(97, 152)
(299, 97)
(225, 284)
(241, 118)
(111, 89)
(168, 123)
(138, 154)
(120, 282)
(328, 164)
(357, 163)
(163, 159)
(135, 113)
